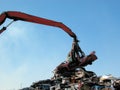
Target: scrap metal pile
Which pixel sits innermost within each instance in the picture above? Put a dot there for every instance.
(71, 74)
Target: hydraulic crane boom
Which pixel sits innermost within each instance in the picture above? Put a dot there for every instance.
(76, 57)
(15, 15)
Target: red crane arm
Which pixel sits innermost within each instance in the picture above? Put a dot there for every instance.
(30, 18)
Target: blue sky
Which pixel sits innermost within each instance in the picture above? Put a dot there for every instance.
(30, 52)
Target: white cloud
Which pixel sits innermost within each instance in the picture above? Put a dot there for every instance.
(14, 79)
